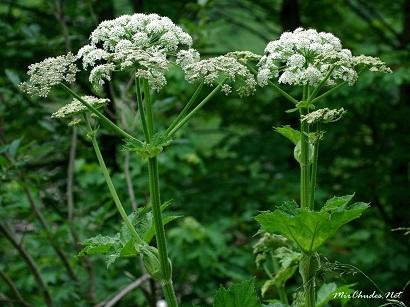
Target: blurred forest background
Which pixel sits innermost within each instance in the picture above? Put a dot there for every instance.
(223, 170)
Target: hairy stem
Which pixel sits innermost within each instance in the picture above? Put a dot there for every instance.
(307, 269)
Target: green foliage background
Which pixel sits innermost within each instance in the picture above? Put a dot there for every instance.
(227, 166)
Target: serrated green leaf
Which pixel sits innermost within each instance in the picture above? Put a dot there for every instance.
(242, 294)
(337, 202)
(99, 245)
(289, 133)
(309, 229)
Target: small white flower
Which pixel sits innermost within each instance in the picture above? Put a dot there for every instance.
(224, 69)
(371, 63)
(187, 57)
(296, 60)
(100, 73)
(48, 73)
(76, 107)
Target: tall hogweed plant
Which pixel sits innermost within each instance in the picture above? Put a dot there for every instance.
(316, 63)
(144, 48)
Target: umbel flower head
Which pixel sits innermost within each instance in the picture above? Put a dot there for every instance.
(49, 72)
(224, 69)
(324, 115)
(305, 57)
(139, 42)
(76, 107)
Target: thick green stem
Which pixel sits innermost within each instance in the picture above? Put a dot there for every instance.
(166, 269)
(313, 174)
(111, 187)
(304, 164)
(307, 270)
(192, 113)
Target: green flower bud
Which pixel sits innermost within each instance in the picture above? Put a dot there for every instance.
(151, 262)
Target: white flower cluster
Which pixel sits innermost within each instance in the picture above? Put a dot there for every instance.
(49, 72)
(371, 63)
(305, 57)
(222, 69)
(76, 107)
(140, 42)
(324, 115)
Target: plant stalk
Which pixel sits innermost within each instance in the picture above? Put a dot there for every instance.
(306, 268)
(166, 269)
(313, 173)
(111, 187)
(304, 164)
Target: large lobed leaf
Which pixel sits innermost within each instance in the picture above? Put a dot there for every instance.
(242, 294)
(123, 244)
(311, 229)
